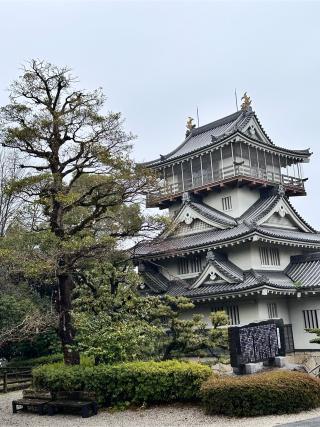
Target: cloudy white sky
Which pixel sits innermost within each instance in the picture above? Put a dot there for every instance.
(157, 61)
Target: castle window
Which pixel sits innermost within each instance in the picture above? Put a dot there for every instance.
(183, 267)
(233, 313)
(195, 264)
(226, 203)
(189, 265)
(310, 318)
(272, 310)
(269, 256)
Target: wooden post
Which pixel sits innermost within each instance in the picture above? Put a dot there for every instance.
(5, 382)
(221, 163)
(233, 159)
(182, 178)
(191, 172)
(211, 166)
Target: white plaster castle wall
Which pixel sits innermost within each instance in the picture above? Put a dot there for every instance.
(281, 304)
(296, 306)
(241, 256)
(248, 310)
(252, 310)
(242, 199)
(248, 256)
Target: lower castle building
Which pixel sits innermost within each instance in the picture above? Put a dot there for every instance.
(236, 242)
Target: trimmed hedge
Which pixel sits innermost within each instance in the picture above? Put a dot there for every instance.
(134, 382)
(30, 363)
(276, 392)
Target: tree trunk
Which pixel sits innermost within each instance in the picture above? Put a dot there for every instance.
(66, 330)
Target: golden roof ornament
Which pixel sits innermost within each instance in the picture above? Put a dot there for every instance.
(190, 125)
(246, 105)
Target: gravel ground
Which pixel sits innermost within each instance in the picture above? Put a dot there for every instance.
(170, 415)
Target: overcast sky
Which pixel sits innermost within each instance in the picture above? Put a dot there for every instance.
(157, 61)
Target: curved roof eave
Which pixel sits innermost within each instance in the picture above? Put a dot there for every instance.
(305, 153)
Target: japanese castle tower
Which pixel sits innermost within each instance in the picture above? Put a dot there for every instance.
(236, 242)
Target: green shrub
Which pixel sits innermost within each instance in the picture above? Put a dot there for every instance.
(134, 382)
(30, 363)
(274, 392)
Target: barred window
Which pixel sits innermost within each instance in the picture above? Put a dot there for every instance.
(195, 264)
(226, 203)
(232, 311)
(183, 267)
(269, 256)
(272, 310)
(310, 318)
(189, 265)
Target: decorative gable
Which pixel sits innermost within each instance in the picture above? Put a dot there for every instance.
(194, 227)
(189, 220)
(212, 274)
(283, 216)
(276, 220)
(254, 130)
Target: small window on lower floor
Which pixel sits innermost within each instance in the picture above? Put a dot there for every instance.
(226, 203)
(232, 312)
(310, 318)
(272, 310)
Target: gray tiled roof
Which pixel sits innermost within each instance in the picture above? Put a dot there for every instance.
(260, 208)
(202, 136)
(214, 237)
(292, 235)
(229, 269)
(253, 279)
(156, 281)
(214, 132)
(239, 228)
(213, 214)
(172, 244)
(304, 270)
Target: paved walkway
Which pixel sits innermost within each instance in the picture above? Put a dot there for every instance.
(312, 422)
(156, 416)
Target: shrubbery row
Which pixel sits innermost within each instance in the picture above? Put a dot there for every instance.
(276, 392)
(37, 361)
(134, 382)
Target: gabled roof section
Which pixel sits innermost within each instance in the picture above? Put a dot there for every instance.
(214, 215)
(304, 270)
(218, 267)
(155, 281)
(270, 209)
(252, 279)
(219, 238)
(190, 212)
(244, 123)
(206, 135)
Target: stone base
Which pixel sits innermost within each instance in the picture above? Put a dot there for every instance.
(253, 368)
(280, 361)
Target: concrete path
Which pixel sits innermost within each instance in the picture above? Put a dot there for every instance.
(312, 422)
(174, 415)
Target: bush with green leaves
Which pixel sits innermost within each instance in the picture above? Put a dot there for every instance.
(37, 361)
(133, 382)
(276, 392)
(115, 323)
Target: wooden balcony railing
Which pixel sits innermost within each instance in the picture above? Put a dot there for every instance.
(207, 178)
